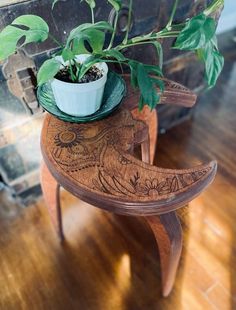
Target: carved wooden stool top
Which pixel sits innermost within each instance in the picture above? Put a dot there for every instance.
(93, 162)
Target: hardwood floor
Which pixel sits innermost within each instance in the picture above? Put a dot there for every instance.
(111, 262)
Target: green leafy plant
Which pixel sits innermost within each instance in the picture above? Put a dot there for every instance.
(195, 34)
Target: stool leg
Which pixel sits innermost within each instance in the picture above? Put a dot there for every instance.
(145, 149)
(168, 234)
(153, 132)
(151, 119)
(51, 194)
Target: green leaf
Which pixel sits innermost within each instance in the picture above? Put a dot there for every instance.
(48, 70)
(213, 61)
(74, 32)
(154, 69)
(94, 37)
(159, 83)
(78, 47)
(214, 42)
(116, 4)
(159, 49)
(90, 61)
(67, 54)
(214, 66)
(148, 92)
(198, 31)
(79, 37)
(8, 41)
(114, 54)
(37, 31)
(37, 28)
(81, 32)
(93, 33)
(87, 64)
(140, 78)
(141, 103)
(134, 74)
(156, 44)
(102, 25)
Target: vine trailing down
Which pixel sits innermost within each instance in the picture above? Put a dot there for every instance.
(195, 34)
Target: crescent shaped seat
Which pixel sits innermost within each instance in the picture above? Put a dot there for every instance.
(92, 161)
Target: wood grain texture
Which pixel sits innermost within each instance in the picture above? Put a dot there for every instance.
(111, 262)
(168, 233)
(151, 119)
(51, 193)
(174, 93)
(166, 229)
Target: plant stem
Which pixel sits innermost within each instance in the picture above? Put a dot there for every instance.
(129, 22)
(149, 39)
(170, 31)
(92, 14)
(78, 67)
(120, 47)
(114, 31)
(73, 77)
(214, 6)
(168, 26)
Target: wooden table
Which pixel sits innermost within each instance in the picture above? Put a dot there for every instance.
(95, 162)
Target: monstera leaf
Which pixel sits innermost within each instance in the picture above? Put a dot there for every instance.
(197, 32)
(29, 28)
(79, 31)
(95, 38)
(91, 33)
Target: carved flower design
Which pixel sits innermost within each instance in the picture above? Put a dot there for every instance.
(68, 138)
(151, 187)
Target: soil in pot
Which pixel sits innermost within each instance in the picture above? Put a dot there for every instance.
(93, 74)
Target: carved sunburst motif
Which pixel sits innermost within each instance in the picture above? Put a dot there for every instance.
(68, 138)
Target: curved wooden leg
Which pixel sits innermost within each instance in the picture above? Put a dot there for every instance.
(153, 133)
(145, 149)
(51, 194)
(168, 233)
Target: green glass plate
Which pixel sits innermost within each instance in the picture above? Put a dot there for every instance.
(114, 92)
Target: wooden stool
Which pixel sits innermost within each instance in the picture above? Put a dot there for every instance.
(94, 162)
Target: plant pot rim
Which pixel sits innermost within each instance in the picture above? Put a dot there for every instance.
(81, 57)
(76, 84)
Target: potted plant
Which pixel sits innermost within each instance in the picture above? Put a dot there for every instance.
(78, 71)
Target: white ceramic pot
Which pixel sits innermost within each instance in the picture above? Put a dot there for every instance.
(80, 99)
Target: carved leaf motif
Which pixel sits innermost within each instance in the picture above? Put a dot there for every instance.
(174, 184)
(123, 186)
(134, 180)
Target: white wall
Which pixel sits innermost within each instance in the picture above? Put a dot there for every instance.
(228, 17)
